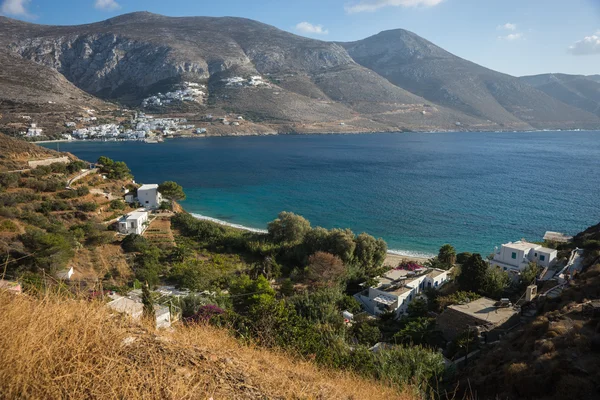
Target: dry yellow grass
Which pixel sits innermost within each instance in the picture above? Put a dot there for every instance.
(54, 348)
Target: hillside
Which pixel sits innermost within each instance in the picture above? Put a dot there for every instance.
(14, 154)
(427, 70)
(554, 355)
(576, 90)
(288, 82)
(48, 350)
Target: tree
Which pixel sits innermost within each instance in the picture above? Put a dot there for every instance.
(366, 333)
(288, 228)
(249, 296)
(50, 251)
(417, 308)
(325, 270)
(114, 169)
(416, 331)
(172, 191)
(369, 253)
(473, 274)
(461, 258)
(447, 256)
(496, 282)
(341, 243)
(529, 274)
(147, 301)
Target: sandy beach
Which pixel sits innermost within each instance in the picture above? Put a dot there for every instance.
(392, 259)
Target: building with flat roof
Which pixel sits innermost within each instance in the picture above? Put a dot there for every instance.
(149, 196)
(484, 315)
(133, 223)
(397, 288)
(516, 256)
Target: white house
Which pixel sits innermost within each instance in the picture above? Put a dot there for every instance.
(34, 131)
(397, 288)
(132, 305)
(135, 222)
(65, 274)
(515, 256)
(149, 196)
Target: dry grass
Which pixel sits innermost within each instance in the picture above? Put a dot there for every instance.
(56, 348)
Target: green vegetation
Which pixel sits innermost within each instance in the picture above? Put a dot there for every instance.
(114, 169)
(302, 313)
(171, 190)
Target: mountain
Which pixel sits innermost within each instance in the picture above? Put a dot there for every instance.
(576, 90)
(427, 70)
(392, 81)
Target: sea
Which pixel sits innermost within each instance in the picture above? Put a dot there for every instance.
(417, 191)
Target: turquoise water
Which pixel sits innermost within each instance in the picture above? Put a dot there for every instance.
(417, 191)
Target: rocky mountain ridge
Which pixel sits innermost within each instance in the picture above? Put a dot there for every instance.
(392, 81)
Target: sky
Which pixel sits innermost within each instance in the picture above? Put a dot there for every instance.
(518, 37)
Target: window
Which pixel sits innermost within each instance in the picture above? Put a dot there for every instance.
(514, 256)
(535, 255)
(542, 257)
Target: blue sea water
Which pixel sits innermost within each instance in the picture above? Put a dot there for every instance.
(415, 190)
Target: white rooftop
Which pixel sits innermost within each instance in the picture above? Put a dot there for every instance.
(521, 245)
(134, 216)
(148, 187)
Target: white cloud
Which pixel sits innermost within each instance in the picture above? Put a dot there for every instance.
(307, 27)
(374, 5)
(511, 37)
(108, 5)
(16, 7)
(507, 27)
(589, 45)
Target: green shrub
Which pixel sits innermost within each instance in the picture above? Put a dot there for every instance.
(134, 243)
(87, 206)
(83, 190)
(8, 226)
(117, 205)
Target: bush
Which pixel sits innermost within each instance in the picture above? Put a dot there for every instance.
(87, 207)
(134, 243)
(117, 205)
(8, 226)
(50, 251)
(9, 180)
(82, 191)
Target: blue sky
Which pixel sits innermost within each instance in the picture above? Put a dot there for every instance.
(519, 37)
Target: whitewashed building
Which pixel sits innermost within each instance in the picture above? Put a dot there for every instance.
(134, 223)
(34, 131)
(149, 196)
(516, 256)
(397, 288)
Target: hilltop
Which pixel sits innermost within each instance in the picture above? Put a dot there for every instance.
(392, 81)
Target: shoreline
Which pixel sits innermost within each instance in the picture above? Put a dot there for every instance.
(310, 133)
(392, 259)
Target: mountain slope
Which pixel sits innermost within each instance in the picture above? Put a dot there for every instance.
(306, 80)
(392, 81)
(419, 66)
(48, 351)
(576, 90)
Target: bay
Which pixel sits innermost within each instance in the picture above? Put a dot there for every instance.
(418, 191)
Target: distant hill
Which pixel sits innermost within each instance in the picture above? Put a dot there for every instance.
(576, 90)
(423, 68)
(392, 81)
